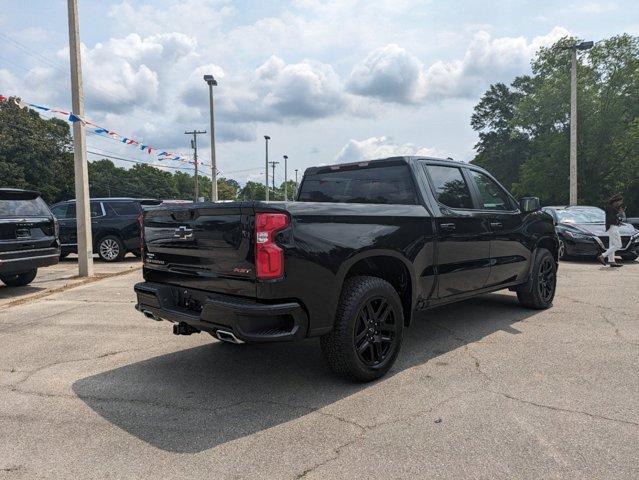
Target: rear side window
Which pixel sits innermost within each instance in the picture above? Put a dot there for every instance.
(33, 207)
(491, 195)
(387, 185)
(450, 187)
(125, 208)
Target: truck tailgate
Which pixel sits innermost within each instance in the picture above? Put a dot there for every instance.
(205, 246)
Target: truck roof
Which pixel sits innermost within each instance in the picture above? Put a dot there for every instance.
(116, 199)
(407, 159)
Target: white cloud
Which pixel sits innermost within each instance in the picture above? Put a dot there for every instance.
(274, 92)
(381, 147)
(486, 60)
(389, 73)
(393, 74)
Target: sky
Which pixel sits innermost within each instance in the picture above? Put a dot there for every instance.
(329, 81)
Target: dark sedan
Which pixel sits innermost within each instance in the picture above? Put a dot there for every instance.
(582, 232)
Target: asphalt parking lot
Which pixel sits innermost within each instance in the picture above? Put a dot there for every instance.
(62, 276)
(89, 388)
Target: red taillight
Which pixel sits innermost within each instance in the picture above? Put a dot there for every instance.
(269, 258)
(141, 224)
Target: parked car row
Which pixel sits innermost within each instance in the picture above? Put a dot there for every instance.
(32, 235)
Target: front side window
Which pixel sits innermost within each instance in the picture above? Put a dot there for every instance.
(491, 195)
(450, 187)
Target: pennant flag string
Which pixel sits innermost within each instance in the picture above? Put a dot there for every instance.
(98, 130)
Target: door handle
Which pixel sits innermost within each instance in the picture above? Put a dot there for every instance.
(447, 226)
(496, 224)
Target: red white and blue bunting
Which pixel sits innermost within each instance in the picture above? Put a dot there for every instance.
(98, 130)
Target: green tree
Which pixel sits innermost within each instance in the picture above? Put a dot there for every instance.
(35, 153)
(524, 129)
(252, 191)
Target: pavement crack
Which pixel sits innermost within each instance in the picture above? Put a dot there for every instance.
(616, 330)
(465, 346)
(75, 360)
(563, 409)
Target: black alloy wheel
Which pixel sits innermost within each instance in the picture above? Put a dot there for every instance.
(375, 331)
(539, 291)
(367, 334)
(562, 250)
(547, 279)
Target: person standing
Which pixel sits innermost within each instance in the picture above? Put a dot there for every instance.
(614, 211)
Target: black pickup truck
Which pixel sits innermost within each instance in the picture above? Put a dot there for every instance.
(28, 236)
(364, 247)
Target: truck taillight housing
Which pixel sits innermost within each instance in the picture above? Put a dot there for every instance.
(141, 224)
(269, 257)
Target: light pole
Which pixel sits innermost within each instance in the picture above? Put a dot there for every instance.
(81, 169)
(285, 178)
(573, 117)
(195, 133)
(273, 179)
(211, 82)
(296, 185)
(266, 139)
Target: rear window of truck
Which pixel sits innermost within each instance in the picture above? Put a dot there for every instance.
(387, 185)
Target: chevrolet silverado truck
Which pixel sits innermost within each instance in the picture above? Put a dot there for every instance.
(362, 249)
(28, 236)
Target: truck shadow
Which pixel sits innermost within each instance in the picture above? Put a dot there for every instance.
(198, 398)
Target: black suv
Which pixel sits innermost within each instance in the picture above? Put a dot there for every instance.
(28, 236)
(114, 224)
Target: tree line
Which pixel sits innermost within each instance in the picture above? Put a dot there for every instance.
(524, 127)
(37, 153)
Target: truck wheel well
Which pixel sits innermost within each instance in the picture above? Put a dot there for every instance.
(394, 272)
(550, 245)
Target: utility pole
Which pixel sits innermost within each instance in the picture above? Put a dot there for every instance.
(266, 139)
(81, 169)
(296, 184)
(285, 178)
(212, 83)
(573, 198)
(273, 179)
(195, 133)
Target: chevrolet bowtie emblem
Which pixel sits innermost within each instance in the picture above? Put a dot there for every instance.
(183, 232)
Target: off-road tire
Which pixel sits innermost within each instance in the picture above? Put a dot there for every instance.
(339, 346)
(19, 279)
(533, 294)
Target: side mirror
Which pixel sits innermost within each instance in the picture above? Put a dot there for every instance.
(529, 204)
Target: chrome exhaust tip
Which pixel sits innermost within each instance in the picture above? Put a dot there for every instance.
(227, 336)
(151, 315)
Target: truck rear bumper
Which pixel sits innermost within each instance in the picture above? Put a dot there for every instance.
(248, 319)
